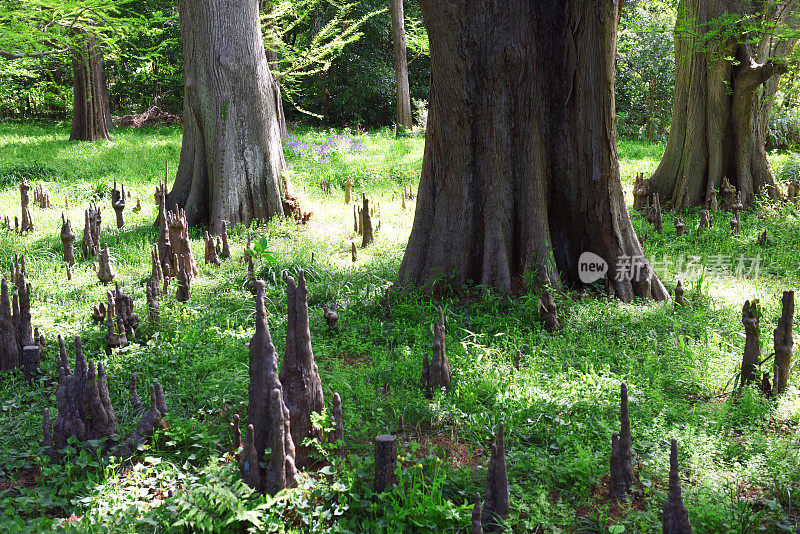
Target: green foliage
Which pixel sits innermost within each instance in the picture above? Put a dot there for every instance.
(357, 88)
(645, 71)
(739, 456)
(783, 132)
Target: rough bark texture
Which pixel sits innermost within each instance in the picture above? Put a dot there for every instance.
(385, 462)
(24, 200)
(337, 434)
(236, 433)
(225, 253)
(84, 406)
(105, 273)
(10, 353)
(153, 308)
(718, 121)
(401, 66)
(67, 240)
(115, 329)
(179, 240)
(679, 294)
(118, 203)
(231, 159)
(91, 232)
(91, 114)
(302, 387)
(676, 517)
(439, 372)
(156, 272)
(331, 317)
(784, 344)
(183, 283)
(520, 169)
(125, 311)
(497, 505)
(31, 358)
(146, 426)
(164, 245)
(281, 470)
(210, 255)
(621, 467)
(263, 369)
(752, 344)
(477, 525)
(365, 225)
(20, 346)
(548, 311)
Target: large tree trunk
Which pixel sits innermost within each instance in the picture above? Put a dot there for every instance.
(91, 113)
(231, 158)
(718, 120)
(401, 66)
(520, 172)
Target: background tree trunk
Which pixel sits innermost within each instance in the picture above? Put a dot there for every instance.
(91, 113)
(401, 66)
(719, 122)
(520, 171)
(231, 158)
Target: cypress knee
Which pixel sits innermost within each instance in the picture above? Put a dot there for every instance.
(784, 344)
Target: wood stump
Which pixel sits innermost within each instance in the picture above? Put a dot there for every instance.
(385, 462)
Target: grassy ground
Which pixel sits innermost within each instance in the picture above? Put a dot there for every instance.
(739, 453)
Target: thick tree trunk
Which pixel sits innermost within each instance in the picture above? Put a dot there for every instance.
(520, 172)
(91, 113)
(231, 158)
(401, 66)
(719, 120)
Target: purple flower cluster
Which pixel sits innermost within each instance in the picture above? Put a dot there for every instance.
(334, 144)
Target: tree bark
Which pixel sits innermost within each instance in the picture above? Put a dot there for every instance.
(272, 61)
(231, 159)
(719, 119)
(401, 66)
(91, 113)
(520, 172)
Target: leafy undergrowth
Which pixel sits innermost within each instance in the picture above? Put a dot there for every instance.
(739, 453)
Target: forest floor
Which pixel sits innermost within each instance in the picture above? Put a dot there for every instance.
(739, 452)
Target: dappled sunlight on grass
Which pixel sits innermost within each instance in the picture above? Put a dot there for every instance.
(559, 407)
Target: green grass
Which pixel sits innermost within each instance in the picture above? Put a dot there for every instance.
(739, 454)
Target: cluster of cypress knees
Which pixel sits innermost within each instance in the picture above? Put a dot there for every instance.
(649, 204)
(783, 343)
(280, 402)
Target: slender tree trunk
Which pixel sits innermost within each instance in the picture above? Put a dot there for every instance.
(719, 119)
(231, 159)
(91, 113)
(401, 66)
(520, 172)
